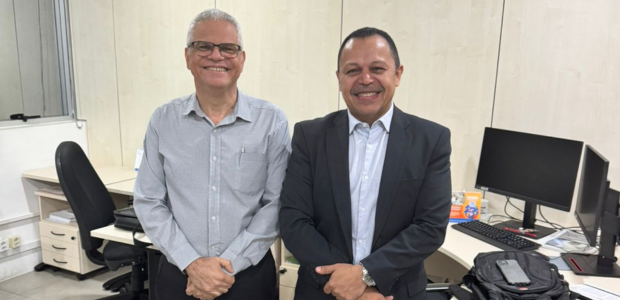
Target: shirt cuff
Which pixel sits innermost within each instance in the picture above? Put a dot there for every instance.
(239, 262)
(183, 256)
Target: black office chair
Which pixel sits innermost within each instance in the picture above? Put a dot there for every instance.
(94, 208)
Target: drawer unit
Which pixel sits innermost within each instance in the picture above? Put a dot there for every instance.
(60, 246)
(287, 293)
(288, 274)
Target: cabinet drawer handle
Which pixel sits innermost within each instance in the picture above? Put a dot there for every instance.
(58, 234)
(60, 262)
(58, 248)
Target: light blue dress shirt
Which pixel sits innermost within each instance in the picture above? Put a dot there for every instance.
(367, 145)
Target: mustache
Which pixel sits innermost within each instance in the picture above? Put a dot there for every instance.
(367, 89)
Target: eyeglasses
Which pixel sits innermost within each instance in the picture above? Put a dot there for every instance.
(227, 50)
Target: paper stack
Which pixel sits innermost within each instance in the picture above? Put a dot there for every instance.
(64, 216)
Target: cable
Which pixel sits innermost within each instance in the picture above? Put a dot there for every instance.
(555, 226)
(506, 210)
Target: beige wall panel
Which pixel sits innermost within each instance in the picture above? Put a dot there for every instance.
(449, 52)
(10, 79)
(94, 63)
(291, 49)
(150, 42)
(558, 75)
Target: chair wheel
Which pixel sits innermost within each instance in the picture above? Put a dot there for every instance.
(123, 290)
(40, 267)
(80, 277)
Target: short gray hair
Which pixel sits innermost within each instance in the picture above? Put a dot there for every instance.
(213, 15)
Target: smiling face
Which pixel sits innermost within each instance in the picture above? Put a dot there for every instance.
(214, 71)
(367, 77)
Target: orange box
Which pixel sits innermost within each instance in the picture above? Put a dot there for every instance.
(465, 206)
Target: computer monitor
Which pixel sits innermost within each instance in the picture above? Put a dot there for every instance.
(597, 207)
(540, 170)
(592, 190)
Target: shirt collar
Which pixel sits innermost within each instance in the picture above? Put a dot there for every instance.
(385, 120)
(242, 108)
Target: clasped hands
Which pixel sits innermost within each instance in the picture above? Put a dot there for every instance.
(346, 283)
(206, 279)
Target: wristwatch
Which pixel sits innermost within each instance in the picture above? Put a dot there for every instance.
(366, 277)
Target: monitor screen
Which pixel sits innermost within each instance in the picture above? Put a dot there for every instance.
(538, 169)
(591, 195)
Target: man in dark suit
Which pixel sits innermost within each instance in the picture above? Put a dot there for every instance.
(367, 191)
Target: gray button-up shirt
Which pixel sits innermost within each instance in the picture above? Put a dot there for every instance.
(205, 190)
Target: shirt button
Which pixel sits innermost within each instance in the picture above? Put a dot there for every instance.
(363, 209)
(212, 247)
(214, 130)
(366, 177)
(214, 188)
(214, 158)
(213, 218)
(361, 242)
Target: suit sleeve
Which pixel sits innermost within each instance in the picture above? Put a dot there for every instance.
(297, 226)
(427, 230)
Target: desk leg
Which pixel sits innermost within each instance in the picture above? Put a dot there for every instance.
(153, 257)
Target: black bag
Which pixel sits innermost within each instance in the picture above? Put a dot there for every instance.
(126, 219)
(486, 281)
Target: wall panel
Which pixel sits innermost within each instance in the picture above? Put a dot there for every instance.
(449, 52)
(558, 74)
(150, 42)
(94, 65)
(291, 49)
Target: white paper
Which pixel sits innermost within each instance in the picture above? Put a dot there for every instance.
(594, 292)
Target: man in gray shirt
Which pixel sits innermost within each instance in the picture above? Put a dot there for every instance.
(209, 184)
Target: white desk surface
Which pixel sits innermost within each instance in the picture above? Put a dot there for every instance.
(123, 187)
(112, 233)
(463, 249)
(108, 173)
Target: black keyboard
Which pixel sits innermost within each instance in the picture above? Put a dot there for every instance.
(497, 237)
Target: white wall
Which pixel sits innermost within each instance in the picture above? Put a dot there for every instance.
(26, 148)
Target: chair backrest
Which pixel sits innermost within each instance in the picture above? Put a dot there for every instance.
(88, 197)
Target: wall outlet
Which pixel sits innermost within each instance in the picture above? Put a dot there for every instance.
(15, 241)
(4, 244)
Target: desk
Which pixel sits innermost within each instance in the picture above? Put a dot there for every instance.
(463, 248)
(109, 174)
(60, 243)
(122, 188)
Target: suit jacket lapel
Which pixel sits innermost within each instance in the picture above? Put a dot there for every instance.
(393, 166)
(338, 164)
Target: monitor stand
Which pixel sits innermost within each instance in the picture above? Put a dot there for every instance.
(529, 218)
(515, 227)
(605, 263)
(588, 265)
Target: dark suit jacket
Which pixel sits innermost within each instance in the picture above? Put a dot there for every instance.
(413, 206)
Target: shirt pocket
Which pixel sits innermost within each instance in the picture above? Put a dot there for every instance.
(250, 173)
